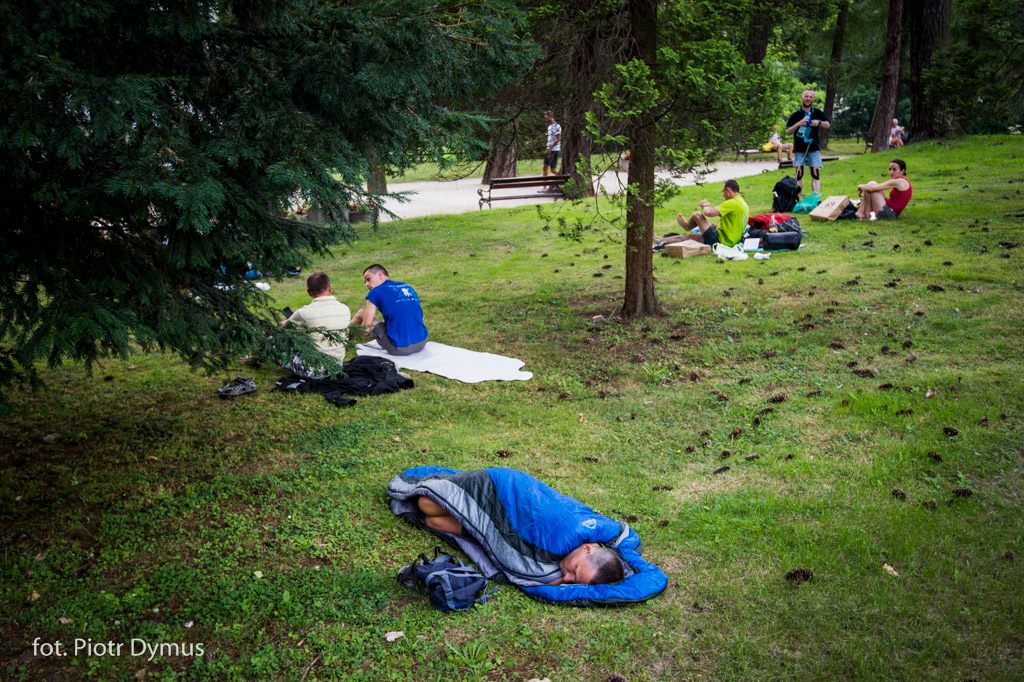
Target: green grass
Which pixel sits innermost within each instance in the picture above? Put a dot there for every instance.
(135, 503)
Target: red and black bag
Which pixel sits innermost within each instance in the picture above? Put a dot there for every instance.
(761, 221)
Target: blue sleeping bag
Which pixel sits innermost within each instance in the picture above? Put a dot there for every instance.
(516, 529)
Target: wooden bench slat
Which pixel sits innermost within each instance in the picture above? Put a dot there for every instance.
(535, 195)
(554, 182)
(528, 180)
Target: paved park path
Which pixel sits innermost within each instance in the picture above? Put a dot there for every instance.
(459, 196)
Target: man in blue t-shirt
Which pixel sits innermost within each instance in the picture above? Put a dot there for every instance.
(402, 332)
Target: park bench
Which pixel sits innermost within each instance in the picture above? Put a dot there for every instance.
(789, 164)
(753, 150)
(554, 182)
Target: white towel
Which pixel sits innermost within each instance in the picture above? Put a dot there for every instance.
(467, 366)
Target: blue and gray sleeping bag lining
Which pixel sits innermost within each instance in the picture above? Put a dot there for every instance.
(516, 529)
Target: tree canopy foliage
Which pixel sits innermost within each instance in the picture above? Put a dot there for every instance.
(151, 149)
(977, 80)
(974, 81)
(685, 94)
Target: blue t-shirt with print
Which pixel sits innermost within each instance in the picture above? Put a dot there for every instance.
(400, 305)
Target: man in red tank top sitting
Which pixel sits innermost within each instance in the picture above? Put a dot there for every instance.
(874, 205)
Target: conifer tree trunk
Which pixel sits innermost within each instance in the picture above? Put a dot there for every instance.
(502, 159)
(833, 69)
(885, 107)
(929, 32)
(378, 182)
(639, 299)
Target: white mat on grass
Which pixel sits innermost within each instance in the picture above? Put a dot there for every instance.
(467, 366)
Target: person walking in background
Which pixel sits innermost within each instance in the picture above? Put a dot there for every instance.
(553, 147)
(804, 125)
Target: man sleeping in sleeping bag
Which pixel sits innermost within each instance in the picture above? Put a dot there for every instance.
(588, 564)
(518, 530)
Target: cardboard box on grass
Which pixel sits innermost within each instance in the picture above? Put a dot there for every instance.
(830, 208)
(687, 249)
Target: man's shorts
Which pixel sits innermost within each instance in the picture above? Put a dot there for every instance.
(551, 160)
(887, 213)
(710, 235)
(380, 332)
(813, 159)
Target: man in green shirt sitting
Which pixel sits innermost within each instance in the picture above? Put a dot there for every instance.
(733, 211)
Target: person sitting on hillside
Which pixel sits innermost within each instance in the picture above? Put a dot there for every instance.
(733, 211)
(402, 331)
(323, 312)
(874, 204)
(588, 564)
(896, 134)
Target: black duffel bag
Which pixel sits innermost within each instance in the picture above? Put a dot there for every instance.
(780, 241)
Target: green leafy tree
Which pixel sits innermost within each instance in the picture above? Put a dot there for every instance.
(150, 150)
(683, 92)
(977, 81)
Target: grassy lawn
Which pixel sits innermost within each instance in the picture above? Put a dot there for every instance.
(865, 393)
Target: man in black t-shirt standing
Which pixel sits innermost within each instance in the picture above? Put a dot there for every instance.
(804, 124)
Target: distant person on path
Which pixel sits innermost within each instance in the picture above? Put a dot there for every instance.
(874, 205)
(733, 211)
(804, 125)
(323, 312)
(402, 331)
(896, 134)
(554, 146)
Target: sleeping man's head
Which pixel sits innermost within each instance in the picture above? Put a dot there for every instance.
(591, 564)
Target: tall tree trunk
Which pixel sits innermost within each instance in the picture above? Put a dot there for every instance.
(378, 182)
(502, 158)
(759, 31)
(885, 107)
(929, 32)
(576, 145)
(639, 299)
(833, 69)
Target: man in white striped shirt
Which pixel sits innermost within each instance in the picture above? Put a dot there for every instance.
(324, 312)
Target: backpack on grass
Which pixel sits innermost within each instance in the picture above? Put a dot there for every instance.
(450, 584)
(785, 194)
(773, 222)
